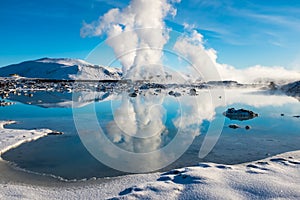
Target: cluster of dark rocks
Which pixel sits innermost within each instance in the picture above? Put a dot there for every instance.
(235, 126)
(240, 115)
(6, 103)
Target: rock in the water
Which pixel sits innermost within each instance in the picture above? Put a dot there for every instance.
(240, 114)
(247, 127)
(158, 90)
(55, 133)
(193, 92)
(175, 94)
(171, 93)
(6, 103)
(234, 126)
(133, 94)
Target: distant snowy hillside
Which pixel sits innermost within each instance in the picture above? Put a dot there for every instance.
(292, 89)
(62, 69)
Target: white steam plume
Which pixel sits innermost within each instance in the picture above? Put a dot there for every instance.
(204, 61)
(137, 34)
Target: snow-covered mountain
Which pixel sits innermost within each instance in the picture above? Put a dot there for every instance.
(61, 69)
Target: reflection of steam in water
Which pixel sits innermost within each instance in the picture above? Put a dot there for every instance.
(139, 123)
(197, 109)
(148, 132)
(144, 139)
(141, 116)
(157, 128)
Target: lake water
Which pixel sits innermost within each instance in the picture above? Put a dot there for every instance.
(179, 126)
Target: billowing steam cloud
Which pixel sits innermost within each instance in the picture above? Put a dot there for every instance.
(191, 47)
(137, 34)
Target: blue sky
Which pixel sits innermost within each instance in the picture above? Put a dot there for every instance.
(243, 32)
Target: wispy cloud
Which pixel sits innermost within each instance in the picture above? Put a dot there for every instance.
(286, 22)
(238, 22)
(205, 62)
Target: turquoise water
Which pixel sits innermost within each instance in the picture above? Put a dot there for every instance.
(68, 157)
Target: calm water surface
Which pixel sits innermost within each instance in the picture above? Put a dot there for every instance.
(157, 119)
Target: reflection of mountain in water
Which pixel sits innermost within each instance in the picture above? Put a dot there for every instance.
(59, 99)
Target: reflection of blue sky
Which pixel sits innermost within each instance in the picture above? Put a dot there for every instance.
(20, 111)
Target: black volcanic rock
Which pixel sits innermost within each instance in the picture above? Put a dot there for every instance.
(240, 114)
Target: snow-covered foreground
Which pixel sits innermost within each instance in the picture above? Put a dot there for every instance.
(273, 178)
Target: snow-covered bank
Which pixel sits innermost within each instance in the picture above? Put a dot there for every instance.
(10, 138)
(274, 178)
(271, 178)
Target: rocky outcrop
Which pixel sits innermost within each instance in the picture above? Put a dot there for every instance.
(240, 114)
